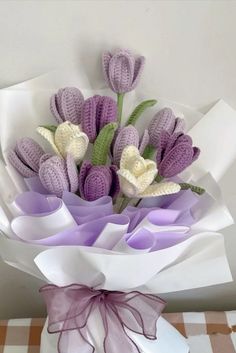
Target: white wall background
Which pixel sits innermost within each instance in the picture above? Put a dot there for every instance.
(191, 57)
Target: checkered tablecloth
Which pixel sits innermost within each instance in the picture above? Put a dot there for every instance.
(208, 332)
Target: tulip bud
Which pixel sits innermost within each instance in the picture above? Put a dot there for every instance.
(25, 157)
(122, 70)
(66, 105)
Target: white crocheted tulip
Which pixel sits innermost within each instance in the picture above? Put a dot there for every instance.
(68, 138)
(136, 175)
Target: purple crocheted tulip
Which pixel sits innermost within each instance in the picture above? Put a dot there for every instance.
(66, 105)
(164, 120)
(25, 157)
(126, 136)
(57, 174)
(174, 153)
(98, 111)
(98, 181)
(122, 70)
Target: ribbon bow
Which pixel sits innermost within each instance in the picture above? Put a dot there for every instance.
(69, 309)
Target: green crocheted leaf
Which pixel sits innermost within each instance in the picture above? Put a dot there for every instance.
(149, 152)
(138, 111)
(197, 189)
(51, 128)
(102, 144)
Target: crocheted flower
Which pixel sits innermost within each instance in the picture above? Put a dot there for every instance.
(136, 175)
(66, 105)
(68, 138)
(164, 120)
(57, 175)
(127, 136)
(175, 153)
(122, 70)
(25, 157)
(97, 181)
(98, 111)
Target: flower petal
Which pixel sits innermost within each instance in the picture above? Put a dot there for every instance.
(183, 138)
(77, 147)
(65, 134)
(44, 158)
(66, 104)
(49, 136)
(159, 189)
(97, 183)
(137, 166)
(121, 71)
(84, 170)
(59, 103)
(71, 104)
(106, 112)
(128, 153)
(138, 69)
(127, 136)
(178, 159)
(147, 178)
(163, 120)
(72, 173)
(161, 145)
(115, 184)
(172, 141)
(128, 183)
(19, 165)
(175, 139)
(180, 125)
(54, 109)
(30, 152)
(88, 121)
(106, 57)
(196, 153)
(144, 141)
(53, 176)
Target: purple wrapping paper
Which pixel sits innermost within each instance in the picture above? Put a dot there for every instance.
(84, 234)
(93, 221)
(85, 211)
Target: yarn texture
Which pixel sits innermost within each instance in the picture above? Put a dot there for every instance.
(68, 138)
(122, 70)
(58, 175)
(25, 157)
(66, 105)
(136, 175)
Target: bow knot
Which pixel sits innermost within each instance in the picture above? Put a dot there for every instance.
(70, 310)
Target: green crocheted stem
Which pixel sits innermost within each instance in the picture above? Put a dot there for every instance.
(120, 99)
(51, 128)
(102, 144)
(138, 111)
(149, 152)
(124, 203)
(197, 189)
(159, 178)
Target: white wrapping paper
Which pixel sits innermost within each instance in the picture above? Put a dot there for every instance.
(198, 261)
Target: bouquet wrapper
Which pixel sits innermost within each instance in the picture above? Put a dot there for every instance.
(169, 339)
(196, 262)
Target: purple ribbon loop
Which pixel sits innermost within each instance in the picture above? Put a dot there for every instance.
(69, 309)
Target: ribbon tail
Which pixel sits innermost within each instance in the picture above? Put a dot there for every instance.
(116, 338)
(74, 341)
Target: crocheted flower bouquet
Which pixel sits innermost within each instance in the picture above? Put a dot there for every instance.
(111, 219)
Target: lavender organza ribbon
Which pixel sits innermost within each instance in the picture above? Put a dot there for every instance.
(69, 309)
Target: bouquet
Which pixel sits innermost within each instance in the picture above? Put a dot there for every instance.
(111, 209)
